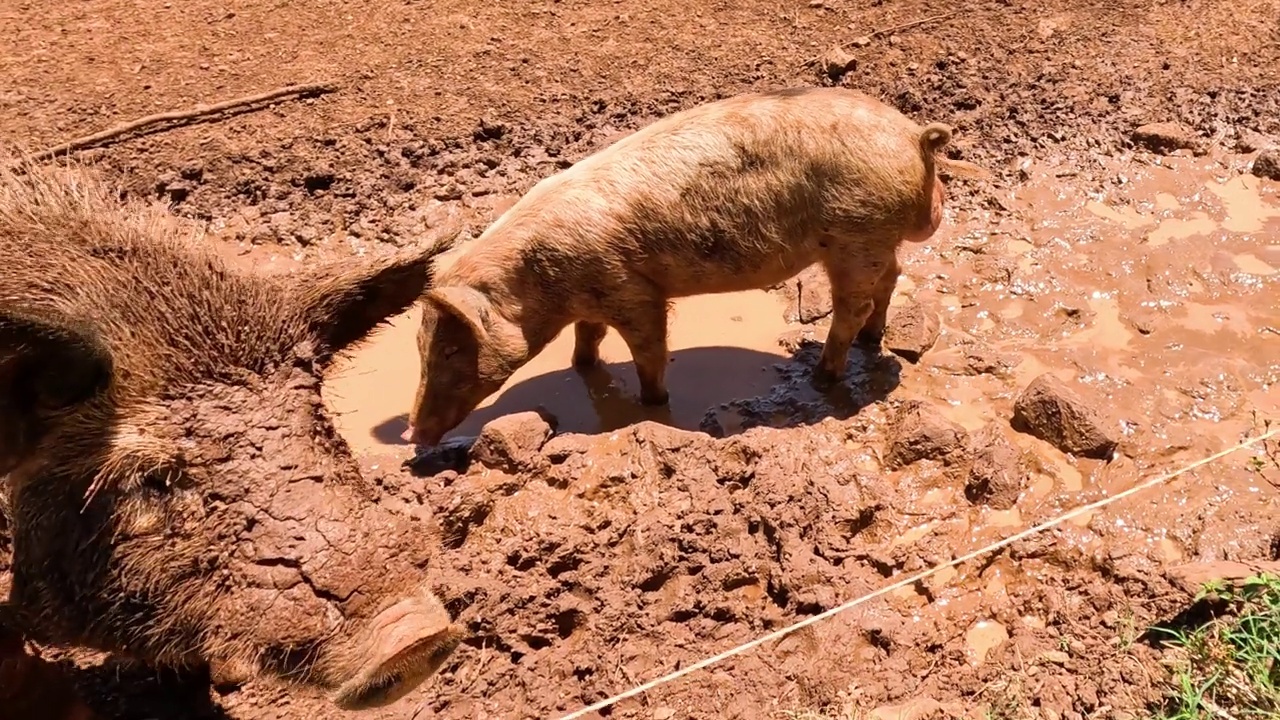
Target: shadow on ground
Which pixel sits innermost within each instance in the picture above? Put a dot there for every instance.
(721, 391)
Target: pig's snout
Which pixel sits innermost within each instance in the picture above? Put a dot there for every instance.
(398, 649)
(430, 431)
(410, 435)
(421, 436)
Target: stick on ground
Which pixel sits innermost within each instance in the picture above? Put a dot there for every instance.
(182, 116)
(891, 30)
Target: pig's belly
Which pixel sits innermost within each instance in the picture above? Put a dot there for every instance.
(698, 276)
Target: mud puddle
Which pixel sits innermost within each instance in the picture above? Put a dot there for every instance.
(723, 347)
(1176, 266)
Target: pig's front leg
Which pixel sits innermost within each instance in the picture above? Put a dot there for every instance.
(586, 345)
(853, 303)
(644, 330)
(873, 331)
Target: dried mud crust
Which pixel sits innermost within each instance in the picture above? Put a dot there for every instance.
(591, 564)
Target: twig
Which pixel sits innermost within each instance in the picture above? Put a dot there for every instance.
(913, 23)
(182, 116)
(891, 30)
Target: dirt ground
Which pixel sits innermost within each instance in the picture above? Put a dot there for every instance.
(622, 548)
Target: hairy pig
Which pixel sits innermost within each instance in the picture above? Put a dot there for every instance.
(732, 195)
(176, 490)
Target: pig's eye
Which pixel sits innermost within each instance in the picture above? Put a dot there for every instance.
(450, 351)
(158, 481)
(163, 481)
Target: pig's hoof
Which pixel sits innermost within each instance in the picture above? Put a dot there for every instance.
(826, 378)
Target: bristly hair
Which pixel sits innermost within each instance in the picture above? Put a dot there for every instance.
(170, 309)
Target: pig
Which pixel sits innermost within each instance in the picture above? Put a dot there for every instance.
(176, 490)
(732, 195)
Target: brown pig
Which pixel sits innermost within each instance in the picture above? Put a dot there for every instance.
(732, 195)
(176, 490)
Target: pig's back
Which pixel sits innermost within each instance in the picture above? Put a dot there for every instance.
(729, 195)
(151, 294)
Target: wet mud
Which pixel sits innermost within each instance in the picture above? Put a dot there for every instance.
(589, 544)
(723, 347)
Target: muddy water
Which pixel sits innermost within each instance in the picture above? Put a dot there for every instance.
(1161, 301)
(723, 347)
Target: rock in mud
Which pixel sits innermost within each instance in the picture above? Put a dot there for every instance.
(1050, 410)
(837, 62)
(912, 331)
(920, 432)
(1167, 137)
(512, 443)
(1267, 164)
(998, 475)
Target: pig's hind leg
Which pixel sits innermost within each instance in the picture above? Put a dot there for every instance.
(586, 344)
(855, 285)
(872, 331)
(644, 330)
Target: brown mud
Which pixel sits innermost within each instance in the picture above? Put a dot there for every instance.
(634, 542)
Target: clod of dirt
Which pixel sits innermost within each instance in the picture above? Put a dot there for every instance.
(1191, 577)
(920, 432)
(489, 130)
(511, 443)
(1051, 411)
(925, 708)
(912, 331)
(1167, 137)
(837, 62)
(1144, 320)
(998, 474)
(1267, 164)
(808, 295)
(1250, 141)
(173, 187)
(971, 357)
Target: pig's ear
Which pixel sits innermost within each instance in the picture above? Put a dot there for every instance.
(341, 306)
(47, 364)
(466, 304)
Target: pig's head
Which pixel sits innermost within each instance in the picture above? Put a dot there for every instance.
(177, 488)
(466, 350)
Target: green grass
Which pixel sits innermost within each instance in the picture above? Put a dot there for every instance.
(1229, 667)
